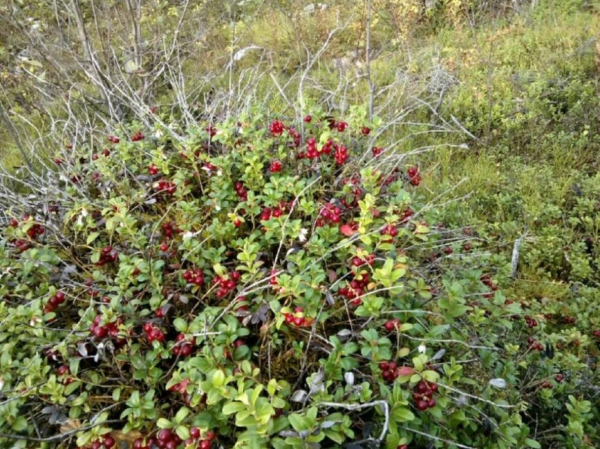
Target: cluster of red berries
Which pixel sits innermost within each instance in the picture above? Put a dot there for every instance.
(295, 135)
(360, 261)
(487, 280)
(107, 255)
(35, 231)
(276, 127)
(241, 191)
(356, 192)
(204, 443)
(211, 130)
(108, 330)
(341, 154)
(329, 214)
(297, 318)
(392, 177)
(181, 388)
(276, 166)
(105, 442)
(392, 325)
(355, 289)
(340, 126)
(194, 276)
(531, 322)
(105, 153)
(153, 333)
(182, 346)
(169, 230)
(535, 345)
(414, 175)
(113, 139)
(267, 212)
(423, 395)
(377, 151)
(226, 283)
(167, 439)
(389, 230)
(55, 301)
(389, 371)
(64, 371)
(137, 137)
(166, 186)
(312, 152)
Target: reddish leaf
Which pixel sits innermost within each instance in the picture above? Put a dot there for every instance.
(405, 371)
(347, 230)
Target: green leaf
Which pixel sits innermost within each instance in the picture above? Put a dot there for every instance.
(163, 423)
(182, 432)
(298, 422)
(218, 379)
(182, 414)
(402, 414)
(232, 407)
(180, 325)
(532, 443)
(93, 236)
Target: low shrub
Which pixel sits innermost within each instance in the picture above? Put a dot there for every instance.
(254, 284)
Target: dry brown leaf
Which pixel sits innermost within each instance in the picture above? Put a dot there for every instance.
(70, 425)
(128, 437)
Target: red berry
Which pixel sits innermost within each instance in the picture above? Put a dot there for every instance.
(307, 119)
(390, 325)
(210, 435)
(109, 441)
(164, 435)
(205, 444)
(422, 405)
(195, 433)
(276, 166)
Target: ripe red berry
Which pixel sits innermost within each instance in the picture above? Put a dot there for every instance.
(210, 435)
(205, 444)
(366, 131)
(164, 435)
(108, 442)
(195, 433)
(422, 405)
(276, 166)
(307, 119)
(276, 128)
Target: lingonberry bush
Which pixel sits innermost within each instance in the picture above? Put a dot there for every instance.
(262, 284)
